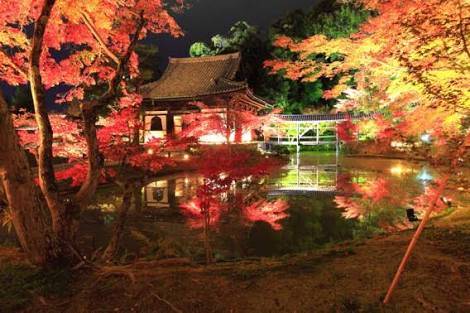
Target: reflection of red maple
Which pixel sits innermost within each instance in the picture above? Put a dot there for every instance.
(422, 202)
(344, 184)
(221, 168)
(351, 207)
(374, 190)
(269, 212)
(195, 210)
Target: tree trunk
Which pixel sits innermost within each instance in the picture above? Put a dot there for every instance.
(61, 219)
(137, 195)
(113, 245)
(29, 212)
(95, 160)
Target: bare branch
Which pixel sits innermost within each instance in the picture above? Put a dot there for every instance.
(91, 26)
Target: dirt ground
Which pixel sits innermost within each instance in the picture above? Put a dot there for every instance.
(351, 277)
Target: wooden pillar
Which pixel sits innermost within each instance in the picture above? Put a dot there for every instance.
(318, 133)
(298, 138)
(170, 124)
(298, 169)
(278, 135)
(337, 142)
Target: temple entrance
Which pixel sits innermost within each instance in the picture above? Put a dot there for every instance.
(156, 124)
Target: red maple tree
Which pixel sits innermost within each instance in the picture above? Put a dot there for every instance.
(89, 48)
(221, 169)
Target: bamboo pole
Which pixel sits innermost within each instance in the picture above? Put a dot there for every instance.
(413, 241)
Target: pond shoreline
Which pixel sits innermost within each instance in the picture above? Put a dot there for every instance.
(347, 277)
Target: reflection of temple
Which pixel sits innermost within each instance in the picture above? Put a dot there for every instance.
(168, 192)
(299, 179)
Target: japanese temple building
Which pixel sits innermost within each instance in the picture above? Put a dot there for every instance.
(210, 80)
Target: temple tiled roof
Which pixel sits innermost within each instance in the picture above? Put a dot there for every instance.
(192, 78)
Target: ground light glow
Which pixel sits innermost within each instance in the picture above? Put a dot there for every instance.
(426, 138)
(424, 176)
(221, 139)
(399, 170)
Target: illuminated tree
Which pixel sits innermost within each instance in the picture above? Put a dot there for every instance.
(120, 150)
(88, 47)
(408, 63)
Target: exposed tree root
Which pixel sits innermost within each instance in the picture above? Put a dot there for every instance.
(175, 309)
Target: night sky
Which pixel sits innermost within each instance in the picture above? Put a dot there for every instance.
(207, 18)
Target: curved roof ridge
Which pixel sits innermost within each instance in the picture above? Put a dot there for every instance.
(233, 82)
(220, 57)
(193, 77)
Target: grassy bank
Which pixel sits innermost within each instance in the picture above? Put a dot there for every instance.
(351, 277)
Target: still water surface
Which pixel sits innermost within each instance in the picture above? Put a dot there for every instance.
(314, 201)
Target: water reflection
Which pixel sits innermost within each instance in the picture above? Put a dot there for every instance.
(299, 179)
(240, 212)
(168, 192)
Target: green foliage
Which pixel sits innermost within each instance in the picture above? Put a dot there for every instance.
(329, 18)
(148, 62)
(340, 23)
(20, 283)
(221, 44)
(242, 38)
(312, 92)
(199, 49)
(239, 38)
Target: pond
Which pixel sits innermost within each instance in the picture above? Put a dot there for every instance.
(313, 201)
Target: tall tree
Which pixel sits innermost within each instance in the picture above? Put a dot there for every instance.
(243, 38)
(29, 212)
(85, 46)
